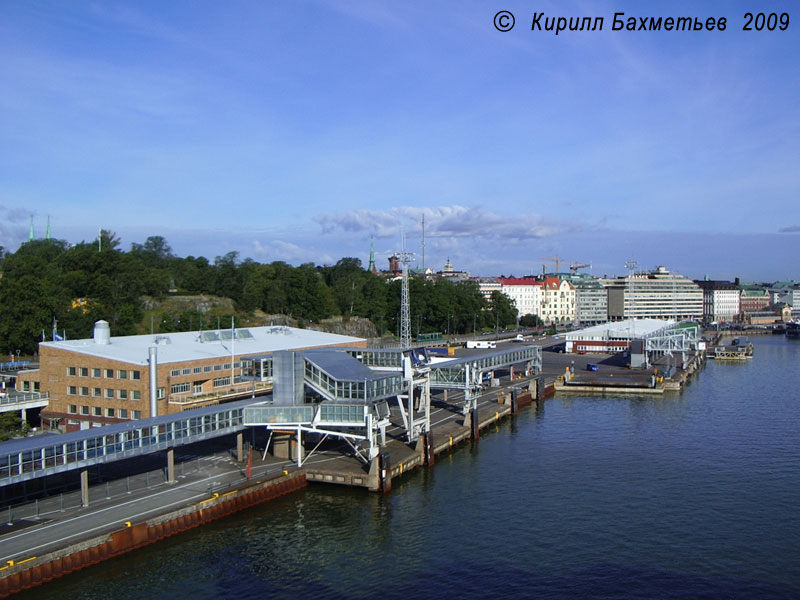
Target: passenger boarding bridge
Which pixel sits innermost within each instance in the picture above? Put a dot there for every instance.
(47, 454)
(347, 393)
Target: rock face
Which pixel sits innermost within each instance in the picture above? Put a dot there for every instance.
(354, 326)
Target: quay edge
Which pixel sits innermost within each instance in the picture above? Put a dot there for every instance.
(33, 571)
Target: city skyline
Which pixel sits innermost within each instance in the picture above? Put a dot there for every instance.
(300, 132)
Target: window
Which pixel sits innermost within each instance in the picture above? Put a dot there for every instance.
(207, 368)
(71, 371)
(109, 393)
(84, 371)
(186, 371)
(218, 367)
(97, 392)
(109, 412)
(123, 413)
(136, 375)
(197, 370)
(97, 411)
(197, 388)
(84, 410)
(123, 394)
(222, 381)
(72, 390)
(96, 372)
(109, 373)
(136, 414)
(122, 374)
(160, 393)
(179, 388)
(227, 366)
(84, 391)
(175, 372)
(73, 409)
(136, 395)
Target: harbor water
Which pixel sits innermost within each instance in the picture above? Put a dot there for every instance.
(691, 495)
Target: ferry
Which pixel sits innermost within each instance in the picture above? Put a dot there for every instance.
(792, 329)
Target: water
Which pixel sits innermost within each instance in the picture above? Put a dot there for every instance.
(685, 496)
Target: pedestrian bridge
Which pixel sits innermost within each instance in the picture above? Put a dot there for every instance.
(46, 454)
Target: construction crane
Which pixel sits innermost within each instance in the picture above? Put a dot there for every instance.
(557, 260)
(574, 266)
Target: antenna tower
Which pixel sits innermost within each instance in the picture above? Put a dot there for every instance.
(631, 266)
(405, 303)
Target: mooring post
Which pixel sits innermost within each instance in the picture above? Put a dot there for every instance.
(514, 407)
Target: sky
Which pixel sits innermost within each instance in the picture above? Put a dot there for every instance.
(304, 131)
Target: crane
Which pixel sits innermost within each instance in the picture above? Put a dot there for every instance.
(574, 266)
(557, 260)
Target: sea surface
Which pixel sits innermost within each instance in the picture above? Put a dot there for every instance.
(692, 495)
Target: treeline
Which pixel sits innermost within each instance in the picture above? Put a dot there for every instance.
(75, 285)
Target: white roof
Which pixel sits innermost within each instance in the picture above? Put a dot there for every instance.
(203, 345)
(632, 328)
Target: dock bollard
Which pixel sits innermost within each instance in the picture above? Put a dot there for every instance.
(430, 459)
(514, 407)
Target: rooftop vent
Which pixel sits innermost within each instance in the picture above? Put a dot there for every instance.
(102, 333)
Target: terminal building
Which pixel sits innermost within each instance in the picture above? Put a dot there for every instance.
(614, 337)
(104, 379)
(656, 294)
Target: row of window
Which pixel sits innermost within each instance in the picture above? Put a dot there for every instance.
(99, 411)
(204, 369)
(107, 373)
(110, 393)
(197, 388)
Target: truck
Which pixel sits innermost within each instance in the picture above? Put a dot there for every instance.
(481, 344)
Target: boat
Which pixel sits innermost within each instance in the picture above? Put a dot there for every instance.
(793, 329)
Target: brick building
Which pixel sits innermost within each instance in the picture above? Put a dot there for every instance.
(104, 379)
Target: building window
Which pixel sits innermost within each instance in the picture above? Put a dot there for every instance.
(72, 390)
(222, 381)
(179, 388)
(109, 412)
(71, 371)
(84, 371)
(207, 368)
(197, 388)
(198, 370)
(123, 413)
(98, 411)
(73, 409)
(187, 371)
(227, 366)
(97, 392)
(95, 372)
(136, 395)
(122, 374)
(84, 410)
(136, 414)
(123, 394)
(109, 393)
(109, 373)
(218, 367)
(136, 375)
(175, 372)
(84, 391)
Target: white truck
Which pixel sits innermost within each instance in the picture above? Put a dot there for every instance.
(486, 344)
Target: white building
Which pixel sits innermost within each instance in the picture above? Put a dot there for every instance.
(525, 292)
(558, 301)
(656, 294)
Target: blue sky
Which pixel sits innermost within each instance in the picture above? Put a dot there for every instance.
(301, 130)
